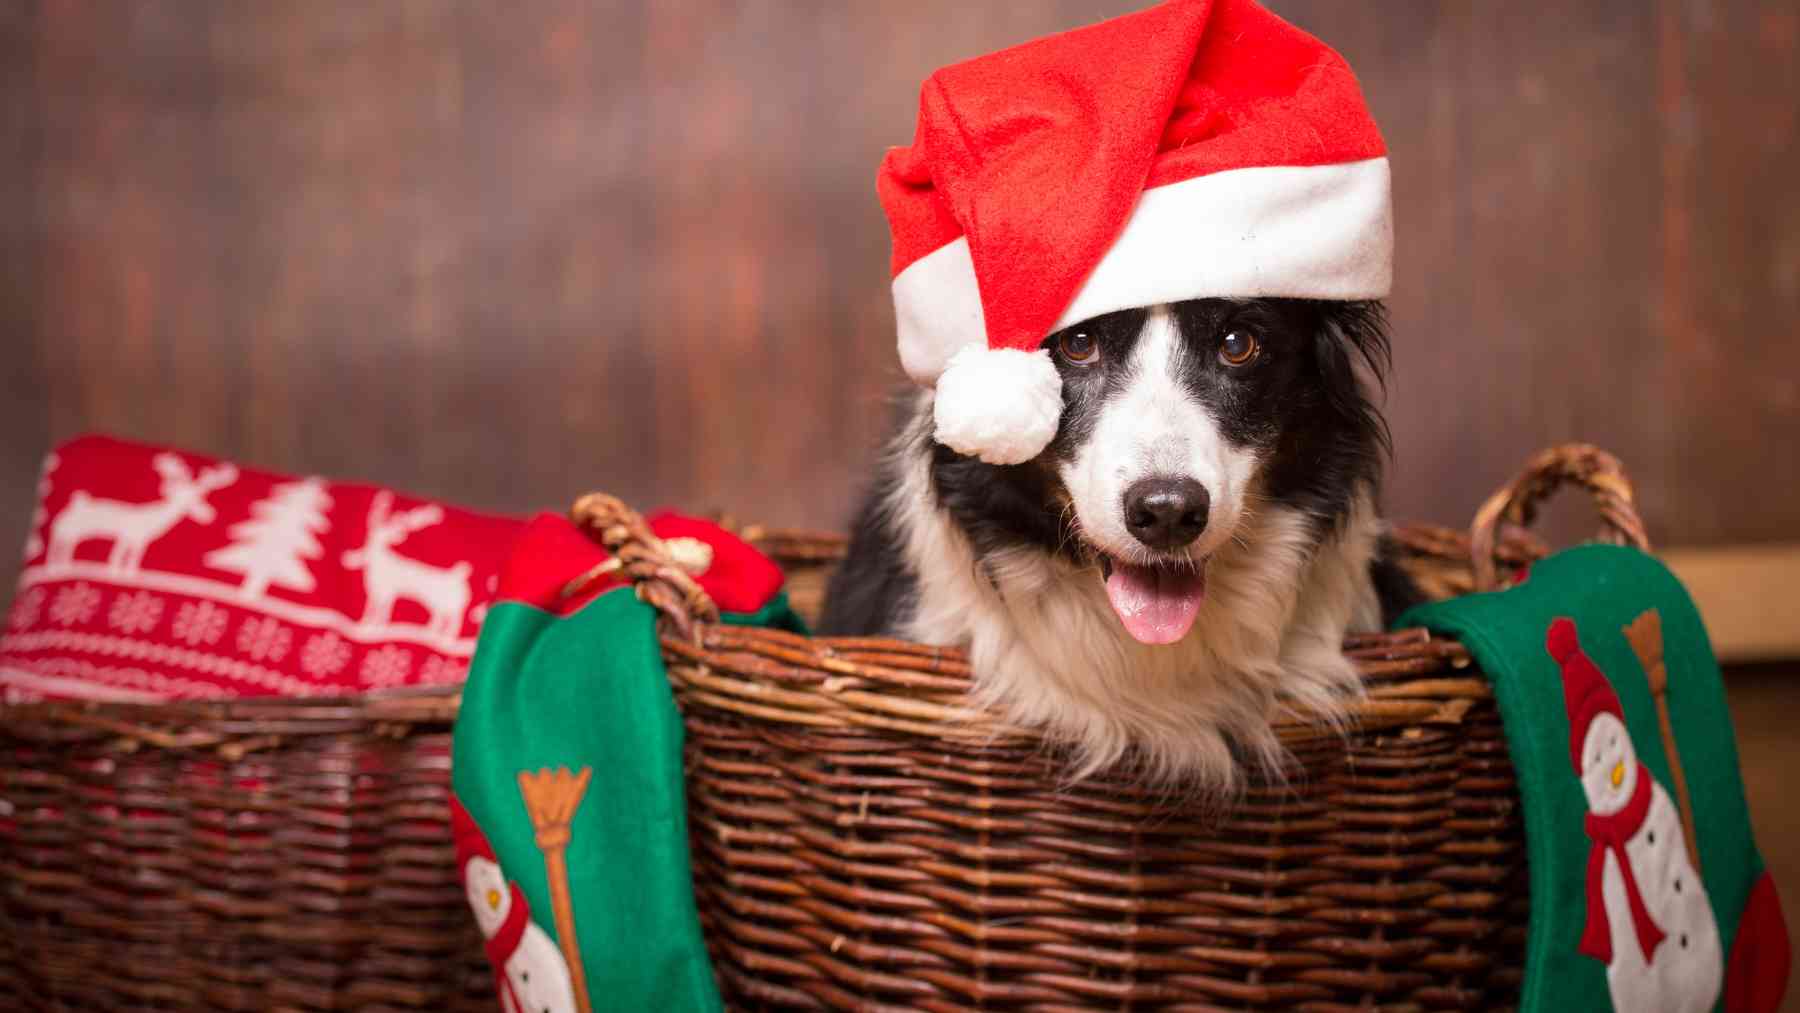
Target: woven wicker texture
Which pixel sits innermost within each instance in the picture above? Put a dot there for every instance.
(267, 855)
(861, 839)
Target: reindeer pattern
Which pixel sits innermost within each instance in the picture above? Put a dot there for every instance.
(389, 576)
(131, 527)
(159, 574)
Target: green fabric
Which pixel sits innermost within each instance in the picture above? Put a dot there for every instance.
(589, 690)
(1602, 588)
(777, 615)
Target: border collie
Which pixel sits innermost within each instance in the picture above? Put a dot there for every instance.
(1178, 568)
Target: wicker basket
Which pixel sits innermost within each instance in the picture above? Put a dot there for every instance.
(252, 855)
(860, 838)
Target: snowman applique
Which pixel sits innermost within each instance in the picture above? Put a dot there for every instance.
(530, 973)
(1648, 917)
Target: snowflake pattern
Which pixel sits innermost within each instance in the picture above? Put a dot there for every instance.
(387, 666)
(324, 655)
(199, 622)
(264, 639)
(441, 671)
(136, 613)
(75, 604)
(26, 609)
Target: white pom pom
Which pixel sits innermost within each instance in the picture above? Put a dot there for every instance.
(1001, 404)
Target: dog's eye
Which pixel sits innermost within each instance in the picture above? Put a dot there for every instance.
(1079, 347)
(1238, 348)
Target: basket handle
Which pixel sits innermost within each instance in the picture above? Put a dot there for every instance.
(643, 559)
(1581, 464)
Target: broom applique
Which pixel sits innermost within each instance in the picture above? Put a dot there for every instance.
(551, 798)
(1645, 635)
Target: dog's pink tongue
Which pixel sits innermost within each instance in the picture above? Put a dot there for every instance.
(1156, 605)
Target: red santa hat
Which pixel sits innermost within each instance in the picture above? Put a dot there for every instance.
(1587, 693)
(1199, 148)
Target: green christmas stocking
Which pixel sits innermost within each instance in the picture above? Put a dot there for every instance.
(569, 814)
(1647, 891)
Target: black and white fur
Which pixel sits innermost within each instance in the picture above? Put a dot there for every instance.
(1008, 560)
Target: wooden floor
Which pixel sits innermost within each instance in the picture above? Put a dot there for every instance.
(1765, 704)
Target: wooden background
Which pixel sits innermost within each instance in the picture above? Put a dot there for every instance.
(506, 252)
(503, 253)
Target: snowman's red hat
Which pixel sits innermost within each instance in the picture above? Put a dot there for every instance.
(1587, 693)
(1199, 148)
(503, 941)
(467, 837)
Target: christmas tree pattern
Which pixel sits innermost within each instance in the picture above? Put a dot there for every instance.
(271, 547)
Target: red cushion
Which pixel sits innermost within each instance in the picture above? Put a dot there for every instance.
(155, 574)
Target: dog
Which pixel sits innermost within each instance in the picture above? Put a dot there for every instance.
(1178, 568)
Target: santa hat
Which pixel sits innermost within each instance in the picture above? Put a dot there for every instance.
(1587, 693)
(1199, 148)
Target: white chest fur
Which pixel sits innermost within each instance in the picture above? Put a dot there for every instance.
(1048, 651)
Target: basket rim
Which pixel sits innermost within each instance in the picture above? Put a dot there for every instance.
(898, 686)
(868, 683)
(231, 727)
(872, 684)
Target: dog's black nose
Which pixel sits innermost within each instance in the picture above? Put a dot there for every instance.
(1166, 513)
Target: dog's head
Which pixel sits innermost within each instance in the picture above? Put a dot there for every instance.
(1179, 422)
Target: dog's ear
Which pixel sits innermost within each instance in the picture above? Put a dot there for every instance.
(1359, 329)
(1349, 334)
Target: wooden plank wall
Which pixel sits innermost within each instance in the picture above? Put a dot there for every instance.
(503, 253)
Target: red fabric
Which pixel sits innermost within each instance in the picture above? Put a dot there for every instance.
(154, 574)
(1756, 975)
(553, 552)
(1609, 833)
(466, 835)
(505, 941)
(738, 578)
(1587, 693)
(550, 554)
(1039, 153)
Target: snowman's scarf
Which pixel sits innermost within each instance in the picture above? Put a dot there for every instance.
(1609, 833)
(505, 940)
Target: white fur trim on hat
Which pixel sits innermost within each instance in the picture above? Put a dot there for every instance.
(999, 404)
(1309, 232)
(937, 311)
